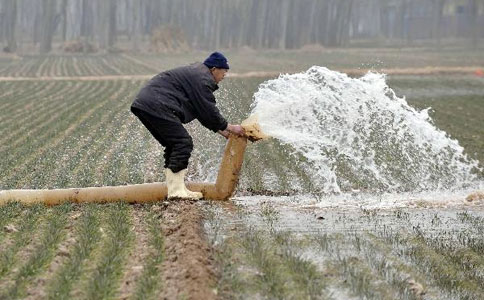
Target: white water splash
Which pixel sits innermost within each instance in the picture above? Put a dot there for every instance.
(356, 134)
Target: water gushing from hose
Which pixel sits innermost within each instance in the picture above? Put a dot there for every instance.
(356, 134)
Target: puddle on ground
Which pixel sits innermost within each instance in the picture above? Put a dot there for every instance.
(362, 242)
(432, 212)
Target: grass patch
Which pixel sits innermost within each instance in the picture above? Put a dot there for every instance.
(307, 279)
(43, 253)
(476, 223)
(281, 272)
(8, 212)
(259, 253)
(21, 238)
(226, 254)
(463, 250)
(353, 269)
(149, 281)
(400, 276)
(103, 282)
(230, 285)
(87, 235)
(444, 272)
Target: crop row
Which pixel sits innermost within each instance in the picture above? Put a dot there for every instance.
(240, 61)
(78, 251)
(81, 133)
(300, 60)
(91, 252)
(73, 65)
(65, 138)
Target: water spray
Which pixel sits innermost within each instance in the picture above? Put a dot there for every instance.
(356, 134)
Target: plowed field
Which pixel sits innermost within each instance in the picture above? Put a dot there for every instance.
(265, 244)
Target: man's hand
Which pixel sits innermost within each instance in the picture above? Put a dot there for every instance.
(225, 133)
(236, 129)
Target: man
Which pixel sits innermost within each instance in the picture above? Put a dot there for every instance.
(176, 97)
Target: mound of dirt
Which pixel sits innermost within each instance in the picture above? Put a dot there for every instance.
(188, 268)
(78, 47)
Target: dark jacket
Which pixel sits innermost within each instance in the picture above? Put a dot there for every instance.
(181, 95)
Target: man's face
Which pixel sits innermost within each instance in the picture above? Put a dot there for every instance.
(218, 74)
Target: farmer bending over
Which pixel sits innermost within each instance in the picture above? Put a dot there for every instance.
(176, 97)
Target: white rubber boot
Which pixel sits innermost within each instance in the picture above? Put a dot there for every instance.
(175, 183)
(191, 195)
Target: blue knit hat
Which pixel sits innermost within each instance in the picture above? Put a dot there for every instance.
(217, 60)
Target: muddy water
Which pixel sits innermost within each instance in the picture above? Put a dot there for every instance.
(309, 218)
(370, 253)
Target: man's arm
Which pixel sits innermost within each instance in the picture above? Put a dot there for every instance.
(204, 103)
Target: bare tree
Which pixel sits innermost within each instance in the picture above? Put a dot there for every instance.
(64, 19)
(404, 19)
(10, 9)
(106, 23)
(48, 26)
(475, 30)
(111, 15)
(438, 9)
(340, 15)
(260, 10)
(209, 24)
(284, 23)
(136, 29)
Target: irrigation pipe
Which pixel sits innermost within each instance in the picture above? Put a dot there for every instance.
(222, 189)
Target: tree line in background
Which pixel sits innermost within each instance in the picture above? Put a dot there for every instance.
(167, 25)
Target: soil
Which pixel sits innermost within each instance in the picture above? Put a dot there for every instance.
(189, 267)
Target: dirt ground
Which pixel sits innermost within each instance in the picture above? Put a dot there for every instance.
(188, 267)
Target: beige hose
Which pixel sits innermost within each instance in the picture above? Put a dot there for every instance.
(223, 189)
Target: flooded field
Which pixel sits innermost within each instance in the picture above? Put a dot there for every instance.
(271, 248)
(282, 236)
